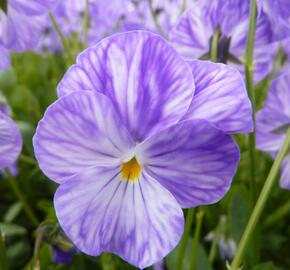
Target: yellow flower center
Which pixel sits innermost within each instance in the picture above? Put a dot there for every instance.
(131, 170)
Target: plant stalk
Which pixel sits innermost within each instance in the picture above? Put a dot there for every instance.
(13, 184)
(260, 205)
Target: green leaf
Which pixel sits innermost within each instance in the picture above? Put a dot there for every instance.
(264, 266)
(9, 229)
(12, 212)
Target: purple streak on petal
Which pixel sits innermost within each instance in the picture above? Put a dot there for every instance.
(220, 97)
(274, 115)
(10, 141)
(285, 173)
(5, 59)
(140, 221)
(150, 85)
(192, 159)
(78, 131)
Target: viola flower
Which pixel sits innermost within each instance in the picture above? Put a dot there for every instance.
(273, 121)
(131, 140)
(21, 22)
(193, 34)
(279, 14)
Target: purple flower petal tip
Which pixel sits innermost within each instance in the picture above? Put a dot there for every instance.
(10, 141)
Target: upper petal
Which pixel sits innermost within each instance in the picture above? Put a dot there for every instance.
(140, 221)
(220, 97)
(10, 141)
(150, 85)
(193, 160)
(79, 130)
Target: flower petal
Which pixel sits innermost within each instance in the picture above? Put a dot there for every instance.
(192, 159)
(20, 32)
(140, 221)
(274, 115)
(191, 36)
(285, 175)
(10, 141)
(220, 97)
(78, 131)
(150, 85)
(33, 7)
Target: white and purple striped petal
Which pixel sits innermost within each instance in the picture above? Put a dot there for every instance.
(220, 97)
(150, 85)
(10, 141)
(279, 14)
(79, 131)
(140, 221)
(193, 160)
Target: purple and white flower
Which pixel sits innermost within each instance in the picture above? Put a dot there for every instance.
(192, 36)
(273, 121)
(133, 139)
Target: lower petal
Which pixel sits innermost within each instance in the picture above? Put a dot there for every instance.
(140, 221)
(192, 159)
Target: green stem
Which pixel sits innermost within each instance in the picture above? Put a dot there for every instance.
(184, 240)
(195, 243)
(155, 19)
(27, 159)
(62, 38)
(213, 249)
(249, 70)
(214, 46)
(86, 24)
(13, 184)
(3, 255)
(260, 205)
